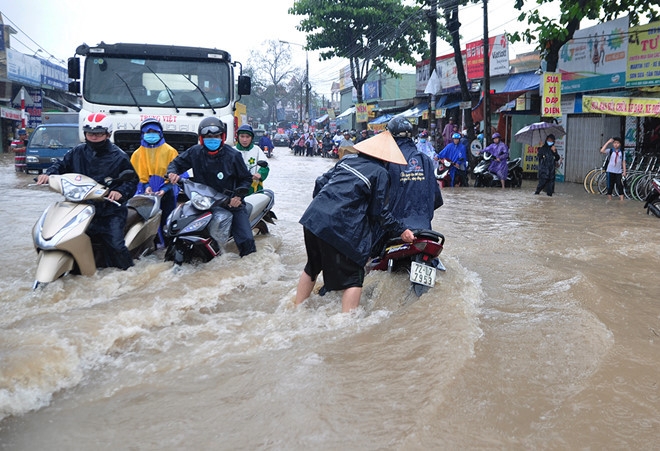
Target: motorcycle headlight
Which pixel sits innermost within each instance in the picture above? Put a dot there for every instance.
(197, 225)
(200, 201)
(73, 192)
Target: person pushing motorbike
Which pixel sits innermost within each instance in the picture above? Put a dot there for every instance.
(221, 167)
(99, 158)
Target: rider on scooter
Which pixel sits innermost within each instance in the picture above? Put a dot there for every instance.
(252, 155)
(98, 158)
(221, 167)
(457, 154)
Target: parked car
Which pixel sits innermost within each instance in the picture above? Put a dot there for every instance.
(280, 140)
(49, 143)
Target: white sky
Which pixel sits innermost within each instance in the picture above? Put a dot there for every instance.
(237, 26)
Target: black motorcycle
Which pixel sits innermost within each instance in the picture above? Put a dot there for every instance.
(652, 201)
(483, 177)
(187, 229)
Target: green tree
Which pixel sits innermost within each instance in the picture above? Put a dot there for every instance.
(552, 33)
(371, 34)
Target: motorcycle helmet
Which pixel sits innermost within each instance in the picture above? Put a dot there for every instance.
(245, 128)
(424, 134)
(212, 126)
(400, 127)
(456, 136)
(97, 123)
(152, 121)
(496, 135)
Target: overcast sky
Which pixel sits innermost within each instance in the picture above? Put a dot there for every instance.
(59, 26)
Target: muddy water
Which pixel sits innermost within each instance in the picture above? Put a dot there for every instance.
(543, 333)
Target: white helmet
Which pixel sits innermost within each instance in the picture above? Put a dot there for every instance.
(97, 123)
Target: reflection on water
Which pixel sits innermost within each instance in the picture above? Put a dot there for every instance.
(542, 333)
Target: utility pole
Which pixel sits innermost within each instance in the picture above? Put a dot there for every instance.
(433, 17)
(307, 115)
(487, 129)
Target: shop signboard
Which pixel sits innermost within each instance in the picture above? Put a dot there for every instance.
(530, 158)
(23, 68)
(643, 56)
(446, 70)
(361, 113)
(622, 106)
(10, 113)
(371, 90)
(551, 94)
(498, 50)
(595, 58)
(54, 76)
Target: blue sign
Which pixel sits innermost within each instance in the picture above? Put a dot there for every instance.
(371, 90)
(54, 75)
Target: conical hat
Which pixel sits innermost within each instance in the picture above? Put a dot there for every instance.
(383, 147)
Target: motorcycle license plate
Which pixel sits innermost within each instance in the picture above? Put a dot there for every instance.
(422, 274)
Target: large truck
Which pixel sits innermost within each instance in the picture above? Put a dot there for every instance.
(179, 86)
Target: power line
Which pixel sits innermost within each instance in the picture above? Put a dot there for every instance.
(28, 36)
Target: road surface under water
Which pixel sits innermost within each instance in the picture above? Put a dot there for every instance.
(543, 333)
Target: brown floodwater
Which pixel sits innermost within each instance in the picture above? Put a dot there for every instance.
(543, 333)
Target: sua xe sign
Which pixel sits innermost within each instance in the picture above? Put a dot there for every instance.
(551, 94)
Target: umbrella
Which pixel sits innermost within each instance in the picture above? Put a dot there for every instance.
(535, 133)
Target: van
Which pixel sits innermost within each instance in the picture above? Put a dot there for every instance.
(49, 143)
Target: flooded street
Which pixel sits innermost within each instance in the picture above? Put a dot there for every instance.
(543, 333)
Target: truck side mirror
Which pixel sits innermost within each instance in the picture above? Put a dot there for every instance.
(74, 87)
(244, 85)
(73, 65)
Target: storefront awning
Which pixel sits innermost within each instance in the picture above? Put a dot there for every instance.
(416, 111)
(347, 113)
(382, 119)
(321, 119)
(523, 82)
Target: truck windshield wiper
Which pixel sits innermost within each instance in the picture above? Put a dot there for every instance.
(189, 78)
(167, 88)
(129, 91)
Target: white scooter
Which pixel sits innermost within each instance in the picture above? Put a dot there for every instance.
(59, 234)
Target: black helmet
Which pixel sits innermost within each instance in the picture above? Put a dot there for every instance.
(245, 128)
(211, 126)
(400, 127)
(151, 121)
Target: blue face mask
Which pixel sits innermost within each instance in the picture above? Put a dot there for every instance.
(550, 143)
(422, 140)
(151, 138)
(212, 143)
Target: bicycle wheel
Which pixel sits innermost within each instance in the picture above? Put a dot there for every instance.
(643, 186)
(587, 179)
(634, 184)
(601, 183)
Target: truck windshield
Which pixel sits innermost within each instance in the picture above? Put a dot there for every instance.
(54, 136)
(156, 83)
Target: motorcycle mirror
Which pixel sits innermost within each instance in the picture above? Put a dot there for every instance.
(262, 163)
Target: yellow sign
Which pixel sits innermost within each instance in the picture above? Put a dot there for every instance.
(643, 67)
(425, 115)
(530, 158)
(551, 94)
(521, 103)
(361, 112)
(377, 127)
(621, 106)
(370, 111)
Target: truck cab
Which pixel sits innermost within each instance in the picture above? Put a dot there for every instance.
(177, 85)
